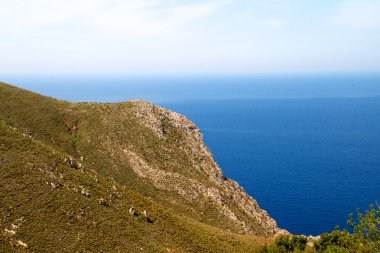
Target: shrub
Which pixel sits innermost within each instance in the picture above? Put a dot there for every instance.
(285, 243)
(365, 237)
(367, 227)
(337, 241)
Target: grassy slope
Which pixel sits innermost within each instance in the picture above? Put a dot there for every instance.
(65, 220)
(50, 120)
(79, 129)
(42, 115)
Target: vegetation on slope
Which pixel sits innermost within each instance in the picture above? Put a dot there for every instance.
(365, 237)
(48, 206)
(133, 155)
(71, 172)
(158, 153)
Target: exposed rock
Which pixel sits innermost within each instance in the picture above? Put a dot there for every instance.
(84, 191)
(225, 193)
(132, 211)
(200, 180)
(73, 129)
(28, 132)
(9, 231)
(154, 117)
(56, 185)
(114, 195)
(21, 244)
(311, 240)
(147, 218)
(73, 164)
(104, 202)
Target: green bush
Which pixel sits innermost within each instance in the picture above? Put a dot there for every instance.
(365, 237)
(285, 243)
(338, 241)
(367, 227)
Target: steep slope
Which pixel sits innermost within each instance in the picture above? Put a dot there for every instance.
(147, 150)
(48, 206)
(172, 157)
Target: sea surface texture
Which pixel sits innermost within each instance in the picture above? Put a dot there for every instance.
(307, 147)
(308, 162)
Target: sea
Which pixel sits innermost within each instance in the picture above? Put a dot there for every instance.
(305, 146)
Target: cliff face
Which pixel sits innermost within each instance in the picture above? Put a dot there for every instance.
(143, 150)
(226, 195)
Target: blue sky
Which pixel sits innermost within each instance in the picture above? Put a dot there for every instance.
(207, 37)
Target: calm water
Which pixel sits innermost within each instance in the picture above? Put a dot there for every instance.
(306, 147)
(308, 162)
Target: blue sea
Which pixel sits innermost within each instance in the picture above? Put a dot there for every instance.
(307, 147)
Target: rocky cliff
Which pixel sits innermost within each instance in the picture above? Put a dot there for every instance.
(226, 195)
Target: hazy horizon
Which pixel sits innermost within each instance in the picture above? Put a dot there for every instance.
(172, 88)
(188, 37)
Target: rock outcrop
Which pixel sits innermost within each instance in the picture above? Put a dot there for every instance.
(227, 195)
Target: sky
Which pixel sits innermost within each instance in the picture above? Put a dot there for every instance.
(189, 36)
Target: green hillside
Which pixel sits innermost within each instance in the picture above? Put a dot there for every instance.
(131, 177)
(71, 172)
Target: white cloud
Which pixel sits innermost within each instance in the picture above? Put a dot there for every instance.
(158, 20)
(110, 35)
(131, 18)
(364, 14)
(188, 35)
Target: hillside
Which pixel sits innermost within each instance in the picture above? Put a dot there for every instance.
(79, 176)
